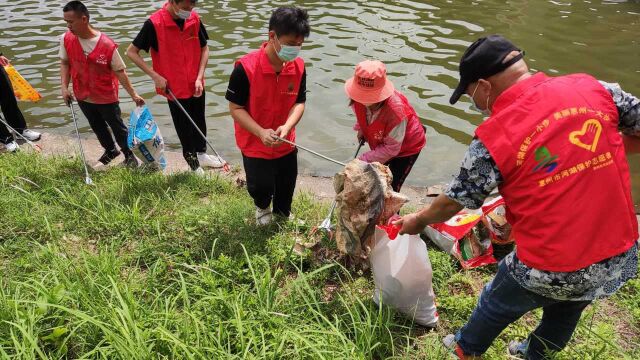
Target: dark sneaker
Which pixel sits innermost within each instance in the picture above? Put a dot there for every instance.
(130, 160)
(192, 160)
(109, 155)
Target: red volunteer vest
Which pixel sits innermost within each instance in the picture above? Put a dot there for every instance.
(395, 109)
(566, 177)
(91, 75)
(270, 100)
(178, 58)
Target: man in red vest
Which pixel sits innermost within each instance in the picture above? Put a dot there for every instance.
(90, 60)
(177, 40)
(12, 114)
(553, 148)
(267, 93)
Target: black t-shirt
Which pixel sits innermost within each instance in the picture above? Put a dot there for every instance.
(238, 90)
(147, 38)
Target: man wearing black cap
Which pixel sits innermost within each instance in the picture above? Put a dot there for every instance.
(552, 146)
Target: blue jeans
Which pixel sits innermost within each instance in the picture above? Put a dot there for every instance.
(504, 301)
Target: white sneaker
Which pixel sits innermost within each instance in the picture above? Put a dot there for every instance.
(199, 171)
(263, 216)
(31, 135)
(209, 161)
(12, 147)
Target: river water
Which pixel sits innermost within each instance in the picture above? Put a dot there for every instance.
(420, 41)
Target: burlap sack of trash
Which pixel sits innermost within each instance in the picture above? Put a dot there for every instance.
(364, 199)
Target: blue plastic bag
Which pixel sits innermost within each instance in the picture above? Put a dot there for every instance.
(145, 139)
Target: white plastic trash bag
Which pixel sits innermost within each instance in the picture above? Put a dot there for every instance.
(402, 274)
(145, 139)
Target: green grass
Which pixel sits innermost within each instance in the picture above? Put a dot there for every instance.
(144, 266)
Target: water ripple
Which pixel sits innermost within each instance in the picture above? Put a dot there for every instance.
(421, 44)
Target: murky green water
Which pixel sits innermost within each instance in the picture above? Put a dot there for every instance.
(420, 41)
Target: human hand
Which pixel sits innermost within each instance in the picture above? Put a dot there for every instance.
(4, 61)
(199, 88)
(361, 138)
(268, 137)
(67, 96)
(282, 132)
(160, 82)
(137, 99)
(410, 224)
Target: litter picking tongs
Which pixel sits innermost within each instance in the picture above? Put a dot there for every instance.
(326, 225)
(226, 165)
(311, 151)
(87, 178)
(35, 146)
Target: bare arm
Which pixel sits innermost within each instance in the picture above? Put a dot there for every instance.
(441, 210)
(133, 52)
(295, 114)
(65, 78)
(126, 84)
(242, 117)
(204, 60)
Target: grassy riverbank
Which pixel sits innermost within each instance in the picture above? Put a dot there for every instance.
(143, 266)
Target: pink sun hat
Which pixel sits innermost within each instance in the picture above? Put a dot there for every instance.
(369, 84)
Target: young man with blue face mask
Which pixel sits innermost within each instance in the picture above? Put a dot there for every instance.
(266, 97)
(177, 40)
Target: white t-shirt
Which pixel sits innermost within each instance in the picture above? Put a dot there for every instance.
(88, 45)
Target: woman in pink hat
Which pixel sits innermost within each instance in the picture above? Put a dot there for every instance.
(385, 120)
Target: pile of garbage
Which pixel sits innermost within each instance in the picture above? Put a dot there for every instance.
(471, 235)
(402, 272)
(364, 199)
(400, 264)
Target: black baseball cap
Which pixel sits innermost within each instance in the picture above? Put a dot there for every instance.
(483, 59)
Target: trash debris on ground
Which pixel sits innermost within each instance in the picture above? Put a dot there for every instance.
(364, 199)
(470, 236)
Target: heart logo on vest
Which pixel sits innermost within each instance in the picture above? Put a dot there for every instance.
(588, 137)
(102, 59)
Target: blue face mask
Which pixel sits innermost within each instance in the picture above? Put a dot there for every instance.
(184, 14)
(287, 52)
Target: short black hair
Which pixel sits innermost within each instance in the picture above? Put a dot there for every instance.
(77, 7)
(290, 20)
